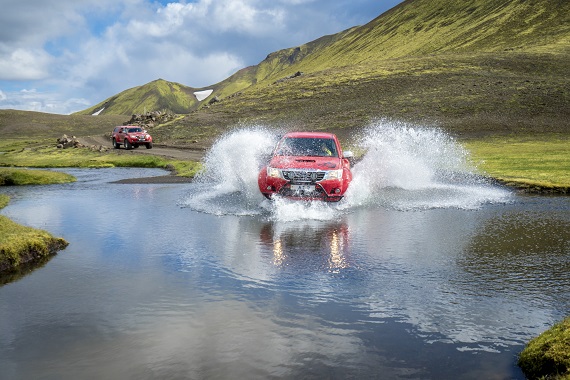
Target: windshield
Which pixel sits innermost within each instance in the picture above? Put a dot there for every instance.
(133, 130)
(296, 146)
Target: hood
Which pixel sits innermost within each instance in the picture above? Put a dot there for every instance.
(305, 162)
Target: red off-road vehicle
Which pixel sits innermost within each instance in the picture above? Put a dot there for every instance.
(131, 136)
(309, 166)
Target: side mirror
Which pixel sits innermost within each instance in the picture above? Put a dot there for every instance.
(348, 154)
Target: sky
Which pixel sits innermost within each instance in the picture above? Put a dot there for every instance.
(68, 55)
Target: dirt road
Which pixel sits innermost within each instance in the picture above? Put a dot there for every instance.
(179, 153)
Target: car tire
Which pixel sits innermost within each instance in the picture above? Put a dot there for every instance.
(128, 145)
(116, 145)
(149, 145)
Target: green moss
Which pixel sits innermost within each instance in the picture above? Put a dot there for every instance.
(11, 176)
(4, 200)
(541, 161)
(548, 355)
(51, 157)
(20, 244)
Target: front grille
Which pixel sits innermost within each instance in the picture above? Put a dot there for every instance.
(303, 176)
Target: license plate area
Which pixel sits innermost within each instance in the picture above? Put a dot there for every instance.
(303, 188)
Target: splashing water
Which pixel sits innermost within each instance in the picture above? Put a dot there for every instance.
(409, 167)
(404, 167)
(228, 183)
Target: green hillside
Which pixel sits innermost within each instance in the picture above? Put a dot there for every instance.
(420, 28)
(29, 125)
(426, 27)
(470, 67)
(154, 96)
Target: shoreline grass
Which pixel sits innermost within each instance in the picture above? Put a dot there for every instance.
(21, 177)
(548, 355)
(532, 163)
(21, 244)
(51, 157)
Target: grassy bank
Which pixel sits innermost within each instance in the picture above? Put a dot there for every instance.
(11, 176)
(4, 199)
(548, 355)
(537, 163)
(532, 162)
(20, 244)
(42, 156)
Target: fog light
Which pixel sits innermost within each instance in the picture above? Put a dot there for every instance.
(337, 191)
(268, 187)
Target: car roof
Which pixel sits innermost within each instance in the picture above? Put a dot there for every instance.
(322, 135)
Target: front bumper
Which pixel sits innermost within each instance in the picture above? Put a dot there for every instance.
(327, 190)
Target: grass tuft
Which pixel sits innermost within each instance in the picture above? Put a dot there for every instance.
(526, 161)
(4, 200)
(20, 244)
(548, 355)
(51, 157)
(10, 176)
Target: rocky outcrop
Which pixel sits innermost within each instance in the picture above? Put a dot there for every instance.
(297, 74)
(150, 119)
(65, 142)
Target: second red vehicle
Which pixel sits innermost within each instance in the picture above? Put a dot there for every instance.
(131, 136)
(308, 166)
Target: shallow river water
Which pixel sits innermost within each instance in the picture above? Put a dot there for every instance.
(442, 281)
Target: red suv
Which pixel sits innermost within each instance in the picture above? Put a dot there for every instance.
(131, 136)
(307, 165)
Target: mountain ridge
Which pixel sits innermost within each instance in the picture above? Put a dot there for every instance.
(465, 65)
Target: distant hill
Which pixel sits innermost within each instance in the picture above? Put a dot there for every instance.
(32, 125)
(469, 65)
(154, 96)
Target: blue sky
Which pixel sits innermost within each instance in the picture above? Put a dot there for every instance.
(68, 55)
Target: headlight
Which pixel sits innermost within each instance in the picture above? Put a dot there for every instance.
(334, 174)
(273, 172)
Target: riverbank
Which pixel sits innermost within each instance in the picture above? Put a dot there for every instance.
(536, 164)
(21, 177)
(20, 245)
(548, 355)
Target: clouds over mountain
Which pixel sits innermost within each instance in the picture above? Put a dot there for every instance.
(61, 56)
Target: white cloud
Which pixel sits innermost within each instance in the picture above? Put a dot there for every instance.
(22, 64)
(243, 16)
(34, 100)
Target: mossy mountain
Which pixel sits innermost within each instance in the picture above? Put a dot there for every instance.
(482, 63)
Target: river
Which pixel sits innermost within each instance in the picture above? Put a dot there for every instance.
(442, 279)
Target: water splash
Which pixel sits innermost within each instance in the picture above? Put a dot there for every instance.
(403, 167)
(410, 167)
(228, 183)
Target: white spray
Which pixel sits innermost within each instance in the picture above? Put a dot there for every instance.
(402, 167)
(228, 183)
(410, 167)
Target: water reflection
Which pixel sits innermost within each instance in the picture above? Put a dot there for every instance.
(329, 240)
(150, 289)
(521, 252)
(23, 270)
